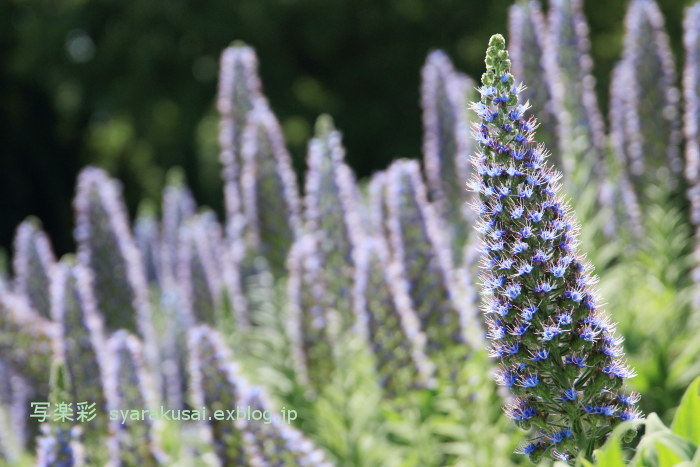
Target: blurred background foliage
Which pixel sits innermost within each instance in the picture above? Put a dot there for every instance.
(129, 85)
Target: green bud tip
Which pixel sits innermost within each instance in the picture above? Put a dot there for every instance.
(324, 125)
(147, 208)
(497, 61)
(497, 41)
(175, 177)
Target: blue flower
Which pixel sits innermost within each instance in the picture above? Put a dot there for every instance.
(526, 192)
(573, 295)
(529, 312)
(513, 172)
(526, 232)
(541, 354)
(506, 378)
(628, 399)
(513, 290)
(527, 449)
(550, 332)
(558, 271)
(520, 329)
(569, 395)
(519, 247)
(540, 257)
(560, 436)
(564, 319)
(629, 415)
(517, 212)
(617, 370)
(589, 334)
(548, 235)
(606, 410)
(575, 361)
(529, 381)
(487, 91)
(518, 155)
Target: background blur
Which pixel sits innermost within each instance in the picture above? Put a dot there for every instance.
(130, 84)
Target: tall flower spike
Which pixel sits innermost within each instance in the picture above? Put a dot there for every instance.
(129, 385)
(15, 397)
(148, 241)
(557, 352)
(691, 94)
(107, 248)
(332, 213)
(383, 306)
(569, 67)
(421, 252)
(81, 329)
(307, 294)
(32, 262)
(580, 125)
(178, 206)
(446, 139)
(276, 442)
(652, 129)
(269, 188)
(27, 341)
(627, 208)
(527, 30)
(59, 443)
(215, 383)
(239, 89)
(199, 271)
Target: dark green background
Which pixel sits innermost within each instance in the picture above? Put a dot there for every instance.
(129, 84)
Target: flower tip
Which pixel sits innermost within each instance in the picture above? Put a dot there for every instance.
(324, 125)
(497, 41)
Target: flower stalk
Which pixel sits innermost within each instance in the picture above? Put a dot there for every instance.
(558, 353)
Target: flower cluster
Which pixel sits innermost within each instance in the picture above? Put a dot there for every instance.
(419, 248)
(386, 317)
(558, 353)
(649, 100)
(81, 331)
(239, 89)
(198, 273)
(217, 383)
(269, 190)
(58, 446)
(691, 95)
(128, 384)
(33, 261)
(446, 140)
(105, 245)
(527, 31)
(307, 294)
(27, 341)
(331, 214)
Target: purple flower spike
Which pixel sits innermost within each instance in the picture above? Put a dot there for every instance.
(554, 346)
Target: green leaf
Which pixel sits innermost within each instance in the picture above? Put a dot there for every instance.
(648, 452)
(686, 423)
(667, 456)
